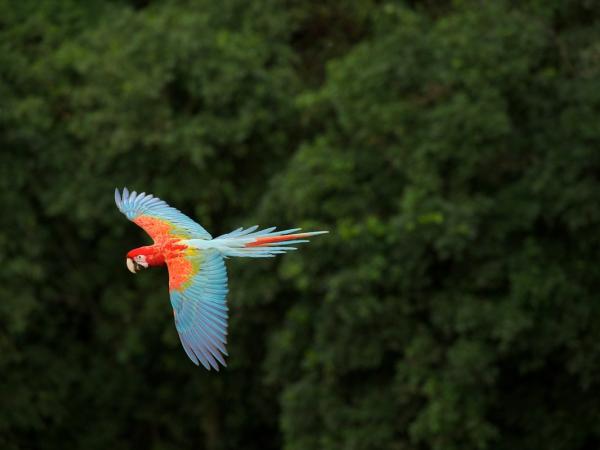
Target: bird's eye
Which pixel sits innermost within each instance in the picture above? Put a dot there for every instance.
(138, 258)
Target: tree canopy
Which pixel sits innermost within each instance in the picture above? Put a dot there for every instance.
(451, 148)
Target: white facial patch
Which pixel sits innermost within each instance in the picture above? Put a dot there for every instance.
(140, 260)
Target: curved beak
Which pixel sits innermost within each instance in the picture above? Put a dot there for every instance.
(131, 265)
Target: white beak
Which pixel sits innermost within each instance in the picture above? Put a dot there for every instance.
(130, 265)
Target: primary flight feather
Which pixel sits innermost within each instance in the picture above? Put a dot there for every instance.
(197, 275)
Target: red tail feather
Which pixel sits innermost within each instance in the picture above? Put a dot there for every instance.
(259, 242)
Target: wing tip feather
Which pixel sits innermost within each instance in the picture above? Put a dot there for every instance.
(117, 197)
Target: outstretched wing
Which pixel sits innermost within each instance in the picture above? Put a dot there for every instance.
(198, 289)
(158, 219)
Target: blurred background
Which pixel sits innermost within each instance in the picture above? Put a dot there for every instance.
(451, 148)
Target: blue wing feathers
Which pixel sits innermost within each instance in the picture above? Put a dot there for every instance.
(134, 205)
(189, 352)
(212, 342)
(201, 312)
(201, 341)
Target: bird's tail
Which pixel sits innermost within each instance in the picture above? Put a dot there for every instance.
(255, 244)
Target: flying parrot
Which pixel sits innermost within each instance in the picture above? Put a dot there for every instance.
(195, 262)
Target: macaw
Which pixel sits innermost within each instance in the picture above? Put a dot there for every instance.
(195, 262)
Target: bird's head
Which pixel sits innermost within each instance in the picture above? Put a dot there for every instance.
(136, 260)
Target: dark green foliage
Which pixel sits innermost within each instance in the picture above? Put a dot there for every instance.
(450, 147)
